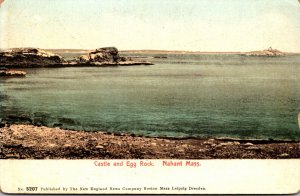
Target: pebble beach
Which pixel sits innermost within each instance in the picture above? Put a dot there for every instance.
(40, 142)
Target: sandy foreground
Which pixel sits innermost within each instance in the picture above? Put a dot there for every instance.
(33, 142)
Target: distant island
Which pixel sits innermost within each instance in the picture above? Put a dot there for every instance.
(270, 52)
(174, 52)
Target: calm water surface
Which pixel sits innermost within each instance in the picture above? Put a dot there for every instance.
(182, 95)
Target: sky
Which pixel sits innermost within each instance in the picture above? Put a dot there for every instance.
(191, 25)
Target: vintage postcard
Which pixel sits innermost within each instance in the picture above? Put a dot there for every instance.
(150, 96)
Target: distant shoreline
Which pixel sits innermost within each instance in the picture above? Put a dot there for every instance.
(176, 52)
(153, 51)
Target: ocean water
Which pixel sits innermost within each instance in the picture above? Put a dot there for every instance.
(180, 96)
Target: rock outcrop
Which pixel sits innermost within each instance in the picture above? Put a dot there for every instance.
(269, 53)
(35, 57)
(107, 56)
(103, 55)
(29, 57)
(12, 73)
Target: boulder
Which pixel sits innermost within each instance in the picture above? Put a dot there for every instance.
(83, 59)
(29, 57)
(108, 55)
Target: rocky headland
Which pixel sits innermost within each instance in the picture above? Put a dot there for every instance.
(29, 57)
(265, 53)
(40, 142)
(35, 57)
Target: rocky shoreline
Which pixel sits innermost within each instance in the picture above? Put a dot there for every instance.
(40, 142)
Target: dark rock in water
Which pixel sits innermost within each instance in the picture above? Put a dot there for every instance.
(107, 56)
(2, 124)
(29, 57)
(3, 68)
(12, 73)
(160, 57)
(38, 124)
(38, 121)
(57, 125)
(67, 121)
(3, 96)
(19, 119)
(132, 135)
